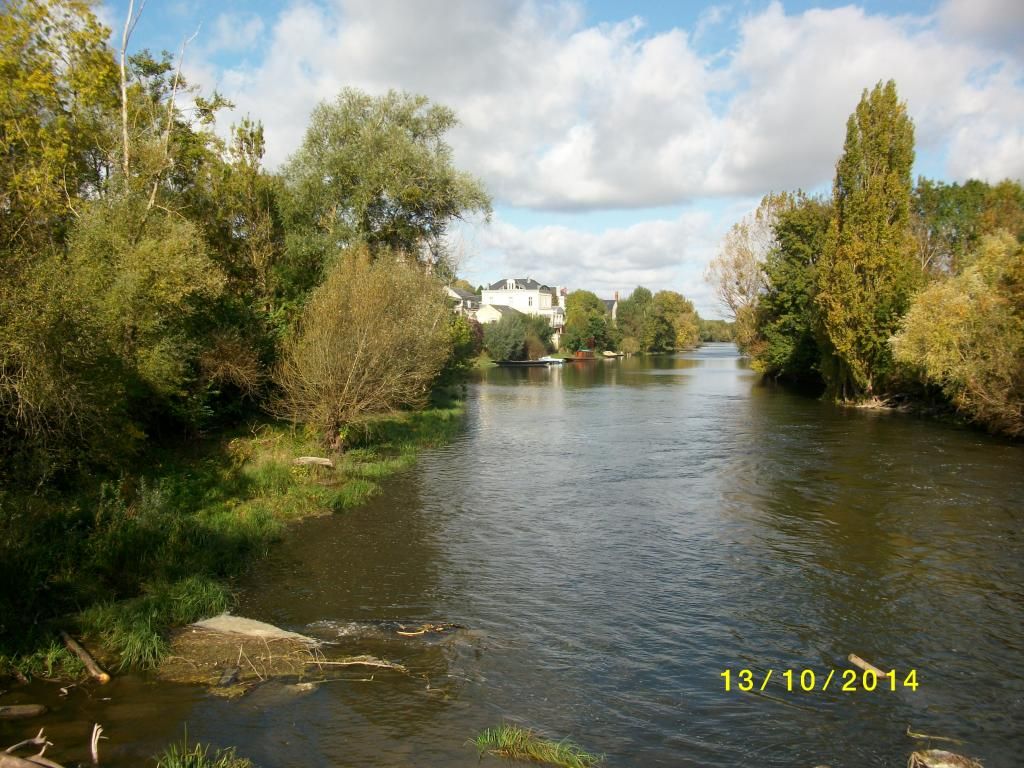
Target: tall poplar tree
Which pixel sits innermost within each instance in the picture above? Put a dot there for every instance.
(868, 268)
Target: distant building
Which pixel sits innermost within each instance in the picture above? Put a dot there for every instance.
(529, 297)
(611, 307)
(465, 303)
(492, 313)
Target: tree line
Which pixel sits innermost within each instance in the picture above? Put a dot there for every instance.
(661, 322)
(887, 289)
(159, 281)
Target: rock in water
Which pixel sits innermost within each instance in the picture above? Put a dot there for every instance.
(239, 625)
(939, 758)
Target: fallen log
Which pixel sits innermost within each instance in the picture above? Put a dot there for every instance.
(317, 460)
(87, 660)
(21, 711)
(867, 666)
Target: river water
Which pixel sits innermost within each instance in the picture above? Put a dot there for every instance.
(614, 536)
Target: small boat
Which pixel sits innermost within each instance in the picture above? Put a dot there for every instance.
(551, 360)
(521, 363)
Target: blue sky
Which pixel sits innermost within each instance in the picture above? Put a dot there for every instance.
(621, 140)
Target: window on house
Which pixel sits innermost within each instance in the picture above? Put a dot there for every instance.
(529, 301)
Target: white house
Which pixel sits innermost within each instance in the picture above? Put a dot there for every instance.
(492, 313)
(464, 302)
(527, 296)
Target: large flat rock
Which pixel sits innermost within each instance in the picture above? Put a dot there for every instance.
(227, 624)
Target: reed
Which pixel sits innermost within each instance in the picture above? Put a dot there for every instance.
(515, 743)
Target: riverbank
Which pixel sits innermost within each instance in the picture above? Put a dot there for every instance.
(125, 562)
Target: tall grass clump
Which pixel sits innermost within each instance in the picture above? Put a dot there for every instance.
(198, 756)
(516, 743)
(136, 629)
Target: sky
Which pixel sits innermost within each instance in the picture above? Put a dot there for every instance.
(620, 140)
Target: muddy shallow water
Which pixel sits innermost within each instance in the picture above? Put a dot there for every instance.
(613, 536)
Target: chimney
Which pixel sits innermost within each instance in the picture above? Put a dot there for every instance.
(616, 295)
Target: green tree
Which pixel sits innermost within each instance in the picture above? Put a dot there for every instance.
(966, 335)
(786, 319)
(59, 85)
(633, 313)
(378, 170)
(715, 330)
(683, 323)
(868, 268)
(587, 324)
(505, 339)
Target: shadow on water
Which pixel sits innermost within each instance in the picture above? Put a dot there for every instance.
(616, 534)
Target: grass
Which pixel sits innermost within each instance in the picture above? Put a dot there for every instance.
(515, 743)
(155, 549)
(198, 756)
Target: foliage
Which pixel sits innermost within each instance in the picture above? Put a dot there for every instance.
(587, 325)
(949, 220)
(372, 338)
(633, 314)
(868, 267)
(679, 327)
(515, 743)
(786, 319)
(465, 340)
(966, 334)
(715, 330)
(377, 170)
(135, 629)
(736, 273)
(59, 80)
(505, 339)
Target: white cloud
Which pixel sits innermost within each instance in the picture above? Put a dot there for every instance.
(558, 115)
(994, 23)
(235, 32)
(657, 253)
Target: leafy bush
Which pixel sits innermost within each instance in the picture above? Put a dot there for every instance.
(372, 338)
(966, 334)
(506, 338)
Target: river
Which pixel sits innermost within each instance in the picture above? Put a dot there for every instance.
(617, 534)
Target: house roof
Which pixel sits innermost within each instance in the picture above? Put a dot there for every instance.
(528, 284)
(463, 294)
(609, 304)
(503, 309)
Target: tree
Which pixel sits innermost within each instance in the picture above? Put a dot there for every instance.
(786, 321)
(586, 323)
(966, 335)
(505, 339)
(377, 170)
(868, 268)
(59, 82)
(633, 313)
(736, 274)
(681, 318)
(372, 338)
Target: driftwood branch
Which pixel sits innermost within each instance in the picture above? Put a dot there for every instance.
(857, 661)
(313, 460)
(90, 663)
(9, 760)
